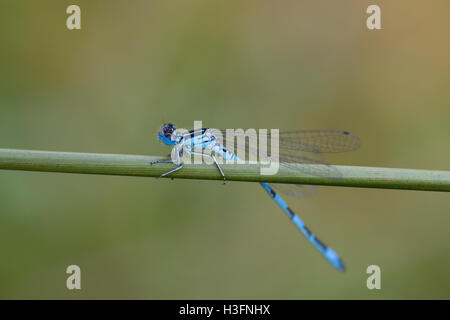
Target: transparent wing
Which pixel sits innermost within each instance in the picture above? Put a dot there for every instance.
(315, 165)
(319, 141)
(295, 190)
(315, 141)
(295, 148)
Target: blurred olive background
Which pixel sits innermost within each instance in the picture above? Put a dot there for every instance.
(233, 64)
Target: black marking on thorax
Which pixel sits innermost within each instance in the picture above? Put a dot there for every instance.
(192, 132)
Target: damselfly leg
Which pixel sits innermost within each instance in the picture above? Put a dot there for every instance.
(215, 161)
(179, 161)
(160, 161)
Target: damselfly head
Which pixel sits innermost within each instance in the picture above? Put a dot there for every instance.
(165, 135)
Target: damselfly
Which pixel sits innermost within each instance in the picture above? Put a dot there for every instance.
(294, 147)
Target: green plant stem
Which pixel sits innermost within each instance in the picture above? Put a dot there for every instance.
(135, 165)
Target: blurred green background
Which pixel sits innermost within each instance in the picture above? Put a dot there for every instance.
(232, 64)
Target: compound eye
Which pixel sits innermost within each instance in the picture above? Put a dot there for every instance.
(170, 128)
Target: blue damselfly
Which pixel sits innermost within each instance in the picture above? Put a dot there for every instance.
(304, 146)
